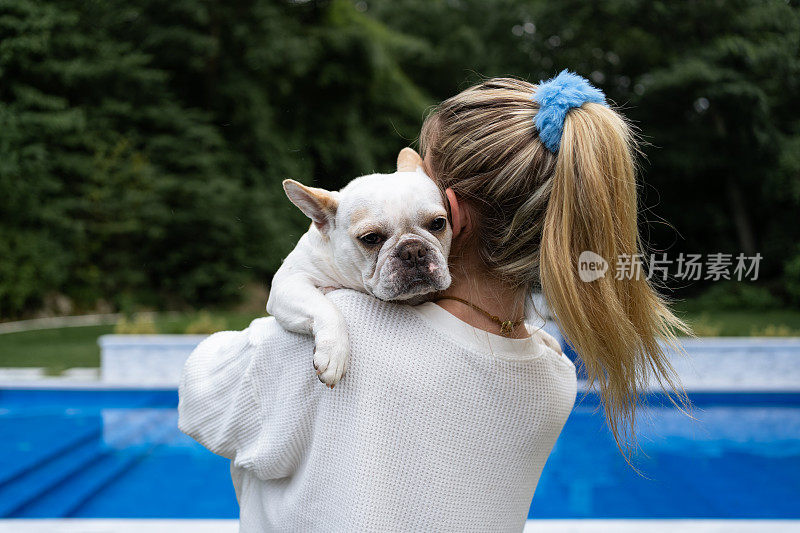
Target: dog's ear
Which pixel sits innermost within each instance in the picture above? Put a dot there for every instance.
(408, 160)
(317, 204)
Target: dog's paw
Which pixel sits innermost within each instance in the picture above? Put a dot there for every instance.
(331, 354)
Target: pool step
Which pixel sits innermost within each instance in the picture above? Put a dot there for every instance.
(28, 487)
(44, 455)
(65, 473)
(68, 494)
(66, 499)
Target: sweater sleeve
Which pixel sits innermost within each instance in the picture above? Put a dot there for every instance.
(249, 396)
(217, 405)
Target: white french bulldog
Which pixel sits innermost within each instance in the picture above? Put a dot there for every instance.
(383, 234)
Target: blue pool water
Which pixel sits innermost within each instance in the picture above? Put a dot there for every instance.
(119, 454)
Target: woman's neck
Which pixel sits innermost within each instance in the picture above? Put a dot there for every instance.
(490, 294)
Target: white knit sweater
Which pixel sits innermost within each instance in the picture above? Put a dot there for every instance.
(435, 426)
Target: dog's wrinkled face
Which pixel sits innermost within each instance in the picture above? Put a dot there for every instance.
(387, 233)
(393, 229)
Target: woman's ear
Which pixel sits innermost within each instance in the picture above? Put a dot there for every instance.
(457, 214)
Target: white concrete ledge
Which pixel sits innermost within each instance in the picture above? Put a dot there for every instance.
(532, 526)
(61, 322)
(711, 364)
(739, 363)
(145, 359)
(662, 526)
(103, 525)
(58, 383)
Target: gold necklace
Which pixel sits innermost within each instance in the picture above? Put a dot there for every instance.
(506, 326)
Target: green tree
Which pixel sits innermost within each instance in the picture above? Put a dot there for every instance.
(142, 144)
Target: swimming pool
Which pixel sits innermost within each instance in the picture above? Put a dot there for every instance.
(118, 453)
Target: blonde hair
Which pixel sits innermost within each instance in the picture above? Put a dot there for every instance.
(537, 211)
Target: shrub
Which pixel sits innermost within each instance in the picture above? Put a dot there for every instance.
(205, 323)
(736, 295)
(774, 330)
(140, 324)
(702, 326)
(791, 274)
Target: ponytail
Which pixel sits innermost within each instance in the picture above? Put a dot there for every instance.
(550, 172)
(618, 324)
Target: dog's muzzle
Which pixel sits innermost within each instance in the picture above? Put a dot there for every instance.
(415, 268)
(413, 254)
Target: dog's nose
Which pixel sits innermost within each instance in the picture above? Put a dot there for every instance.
(412, 252)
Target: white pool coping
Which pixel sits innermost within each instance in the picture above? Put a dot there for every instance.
(710, 364)
(114, 525)
(56, 383)
(102, 525)
(662, 526)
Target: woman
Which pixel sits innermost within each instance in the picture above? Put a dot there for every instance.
(450, 409)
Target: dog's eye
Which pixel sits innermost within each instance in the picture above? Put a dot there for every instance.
(438, 224)
(371, 239)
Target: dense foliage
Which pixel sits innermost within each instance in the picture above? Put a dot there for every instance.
(142, 143)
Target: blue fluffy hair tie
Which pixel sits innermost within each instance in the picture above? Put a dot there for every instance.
(555, 97)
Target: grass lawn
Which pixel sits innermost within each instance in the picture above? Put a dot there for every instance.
(766, 323)
(60, 348)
